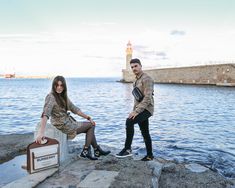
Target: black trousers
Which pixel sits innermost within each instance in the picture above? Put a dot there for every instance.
(143, 121)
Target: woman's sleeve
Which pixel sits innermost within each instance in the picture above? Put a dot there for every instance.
(48, 106)
(72, 107)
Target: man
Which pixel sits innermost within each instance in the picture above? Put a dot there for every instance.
(143, 109)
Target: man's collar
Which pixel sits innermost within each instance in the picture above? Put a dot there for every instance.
(139, 76)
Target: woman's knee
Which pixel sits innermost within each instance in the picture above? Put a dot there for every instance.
(88, 124)
(91, 127)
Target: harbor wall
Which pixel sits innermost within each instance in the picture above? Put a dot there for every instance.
(219, 74)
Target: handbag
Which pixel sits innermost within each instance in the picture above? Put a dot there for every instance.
(71, 118)
(43, 156)
(137, 94)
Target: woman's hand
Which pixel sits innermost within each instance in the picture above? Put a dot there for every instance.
(41, 131)
(92, 122)
(80, 113)
(39, 138)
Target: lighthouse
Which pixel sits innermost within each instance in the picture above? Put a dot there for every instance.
(127, 74)
(128, 55)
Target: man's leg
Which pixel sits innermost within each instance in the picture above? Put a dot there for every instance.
(130, 132)
(130, 126)
(144, 127)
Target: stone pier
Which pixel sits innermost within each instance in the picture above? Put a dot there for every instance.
(217, 74)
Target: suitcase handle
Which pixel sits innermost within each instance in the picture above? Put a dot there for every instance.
(44, 141)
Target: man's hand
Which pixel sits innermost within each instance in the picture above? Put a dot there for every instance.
(132, 115)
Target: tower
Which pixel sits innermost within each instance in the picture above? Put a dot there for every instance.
(128, 55)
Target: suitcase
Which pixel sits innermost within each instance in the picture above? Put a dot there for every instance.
(43, 156)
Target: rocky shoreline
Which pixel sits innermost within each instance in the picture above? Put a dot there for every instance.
(112, 172)
(13, 145)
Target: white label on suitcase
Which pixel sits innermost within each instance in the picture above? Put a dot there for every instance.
(45, 161)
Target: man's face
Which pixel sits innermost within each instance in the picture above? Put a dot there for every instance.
(136, 68)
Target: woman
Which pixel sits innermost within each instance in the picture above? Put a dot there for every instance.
(57, 105)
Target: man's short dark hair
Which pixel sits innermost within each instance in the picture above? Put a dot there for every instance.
(135, 61)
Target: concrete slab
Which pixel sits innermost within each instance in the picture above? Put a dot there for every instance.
(31, 180)
(98, 179)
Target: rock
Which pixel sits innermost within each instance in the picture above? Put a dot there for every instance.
(183, 177)
(14, 145)
(31, 180)
(131, 173)
(157, 168)
(74, 147)
(196, 167)
(98, 178)
(169, 167)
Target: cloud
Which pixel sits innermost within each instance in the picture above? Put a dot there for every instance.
(103, 57)
(139, 47)
(178, 33)
(163, 54)
(99, 24)
(147, 53)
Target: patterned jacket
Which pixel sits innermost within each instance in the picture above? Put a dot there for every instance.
(146, 85)
(59, 116)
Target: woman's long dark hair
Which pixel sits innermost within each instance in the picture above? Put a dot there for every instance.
(61, 98)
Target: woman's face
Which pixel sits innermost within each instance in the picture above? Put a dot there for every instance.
(59, 87)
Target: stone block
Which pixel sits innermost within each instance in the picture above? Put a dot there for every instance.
(53, 132)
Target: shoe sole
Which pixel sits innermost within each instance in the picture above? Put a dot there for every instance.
(89, 158)
(147, 160)
(118, 156)
(102, 155)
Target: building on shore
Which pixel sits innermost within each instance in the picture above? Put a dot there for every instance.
(10, 75)
(213, 74)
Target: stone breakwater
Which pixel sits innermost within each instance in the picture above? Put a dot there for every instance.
(112, 172)
(218, 74)
(13, 145)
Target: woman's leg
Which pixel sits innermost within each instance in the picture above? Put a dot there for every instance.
(89, 129)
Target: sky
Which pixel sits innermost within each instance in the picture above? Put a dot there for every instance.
(78, 38)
